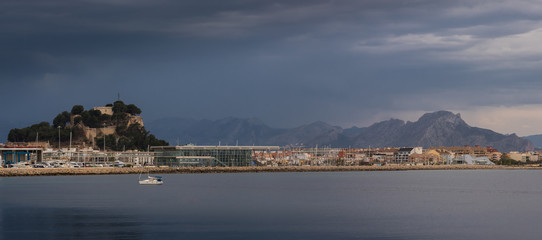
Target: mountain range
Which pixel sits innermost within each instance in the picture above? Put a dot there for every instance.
(536, 140)
(435, 129)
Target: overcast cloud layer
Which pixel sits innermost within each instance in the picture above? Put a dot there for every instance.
(285, 62)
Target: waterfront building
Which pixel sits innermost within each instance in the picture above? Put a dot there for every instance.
(205, 156)
(476, 151)
(429, 157)
(433, 156)
(135, 157)
(470, 160)
(533, 156)
(495, 156)
(380, 155)
(353, 157)
(19, 154)
(93, 156)
(403, 154)
(517, 156)
(317, 156)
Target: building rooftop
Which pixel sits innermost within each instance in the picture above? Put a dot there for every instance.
(184, 147)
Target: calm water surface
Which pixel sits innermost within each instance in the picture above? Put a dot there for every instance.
(469, 204)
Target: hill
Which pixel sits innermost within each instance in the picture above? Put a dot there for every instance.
(118, 124)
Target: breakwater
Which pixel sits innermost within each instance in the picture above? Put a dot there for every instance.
(17, 172)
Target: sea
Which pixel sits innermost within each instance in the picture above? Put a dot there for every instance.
(436, 204)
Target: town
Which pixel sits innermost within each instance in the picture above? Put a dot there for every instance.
(99, 137)
(42, 155)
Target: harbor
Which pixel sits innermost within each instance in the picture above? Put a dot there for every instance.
(20, 172)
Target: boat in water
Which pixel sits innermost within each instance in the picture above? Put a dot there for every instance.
(151, 180)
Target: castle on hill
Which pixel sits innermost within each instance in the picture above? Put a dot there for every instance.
(115, 127)
(91, 133)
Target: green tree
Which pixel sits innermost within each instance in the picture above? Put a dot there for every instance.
(78, 133)
(92, 118)
(77, 120)
(95, 113)
(119, 107)
(153, 141)
(77, 109)
(133, 109)
(14, 135)
(104, 118)
(89, 120)
(61, 119)
(43, 130)
(125, 143)
(136, 137)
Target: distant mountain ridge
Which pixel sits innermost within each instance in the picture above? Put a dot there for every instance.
(536, 140)
(440, 128)
(435, 129)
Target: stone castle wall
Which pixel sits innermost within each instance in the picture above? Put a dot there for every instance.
(135, 119)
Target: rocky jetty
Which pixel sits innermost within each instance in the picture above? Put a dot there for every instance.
(20, 172)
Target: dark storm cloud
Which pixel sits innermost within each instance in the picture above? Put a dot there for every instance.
(287, 62)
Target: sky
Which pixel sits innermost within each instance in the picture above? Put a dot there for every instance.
(287, 63)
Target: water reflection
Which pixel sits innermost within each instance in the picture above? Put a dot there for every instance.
(68, 223)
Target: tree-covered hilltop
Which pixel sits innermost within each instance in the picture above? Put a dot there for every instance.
(133, 137)
(128, 133)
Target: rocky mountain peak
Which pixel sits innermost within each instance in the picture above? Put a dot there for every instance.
(443, 117)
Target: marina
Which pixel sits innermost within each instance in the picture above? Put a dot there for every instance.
(18, 156)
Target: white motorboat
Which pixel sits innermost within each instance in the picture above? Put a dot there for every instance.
(151, 180)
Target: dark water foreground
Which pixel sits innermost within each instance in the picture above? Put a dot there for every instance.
(462, 204)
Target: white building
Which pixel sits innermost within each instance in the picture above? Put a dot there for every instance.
(404, 153)
(470, 160)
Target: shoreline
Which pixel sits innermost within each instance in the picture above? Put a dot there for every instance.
(27, 172)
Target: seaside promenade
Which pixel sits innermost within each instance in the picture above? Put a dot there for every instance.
(18, 172)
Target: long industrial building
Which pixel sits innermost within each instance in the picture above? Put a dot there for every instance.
(208, 156)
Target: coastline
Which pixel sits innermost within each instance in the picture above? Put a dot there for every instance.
(26, 172)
